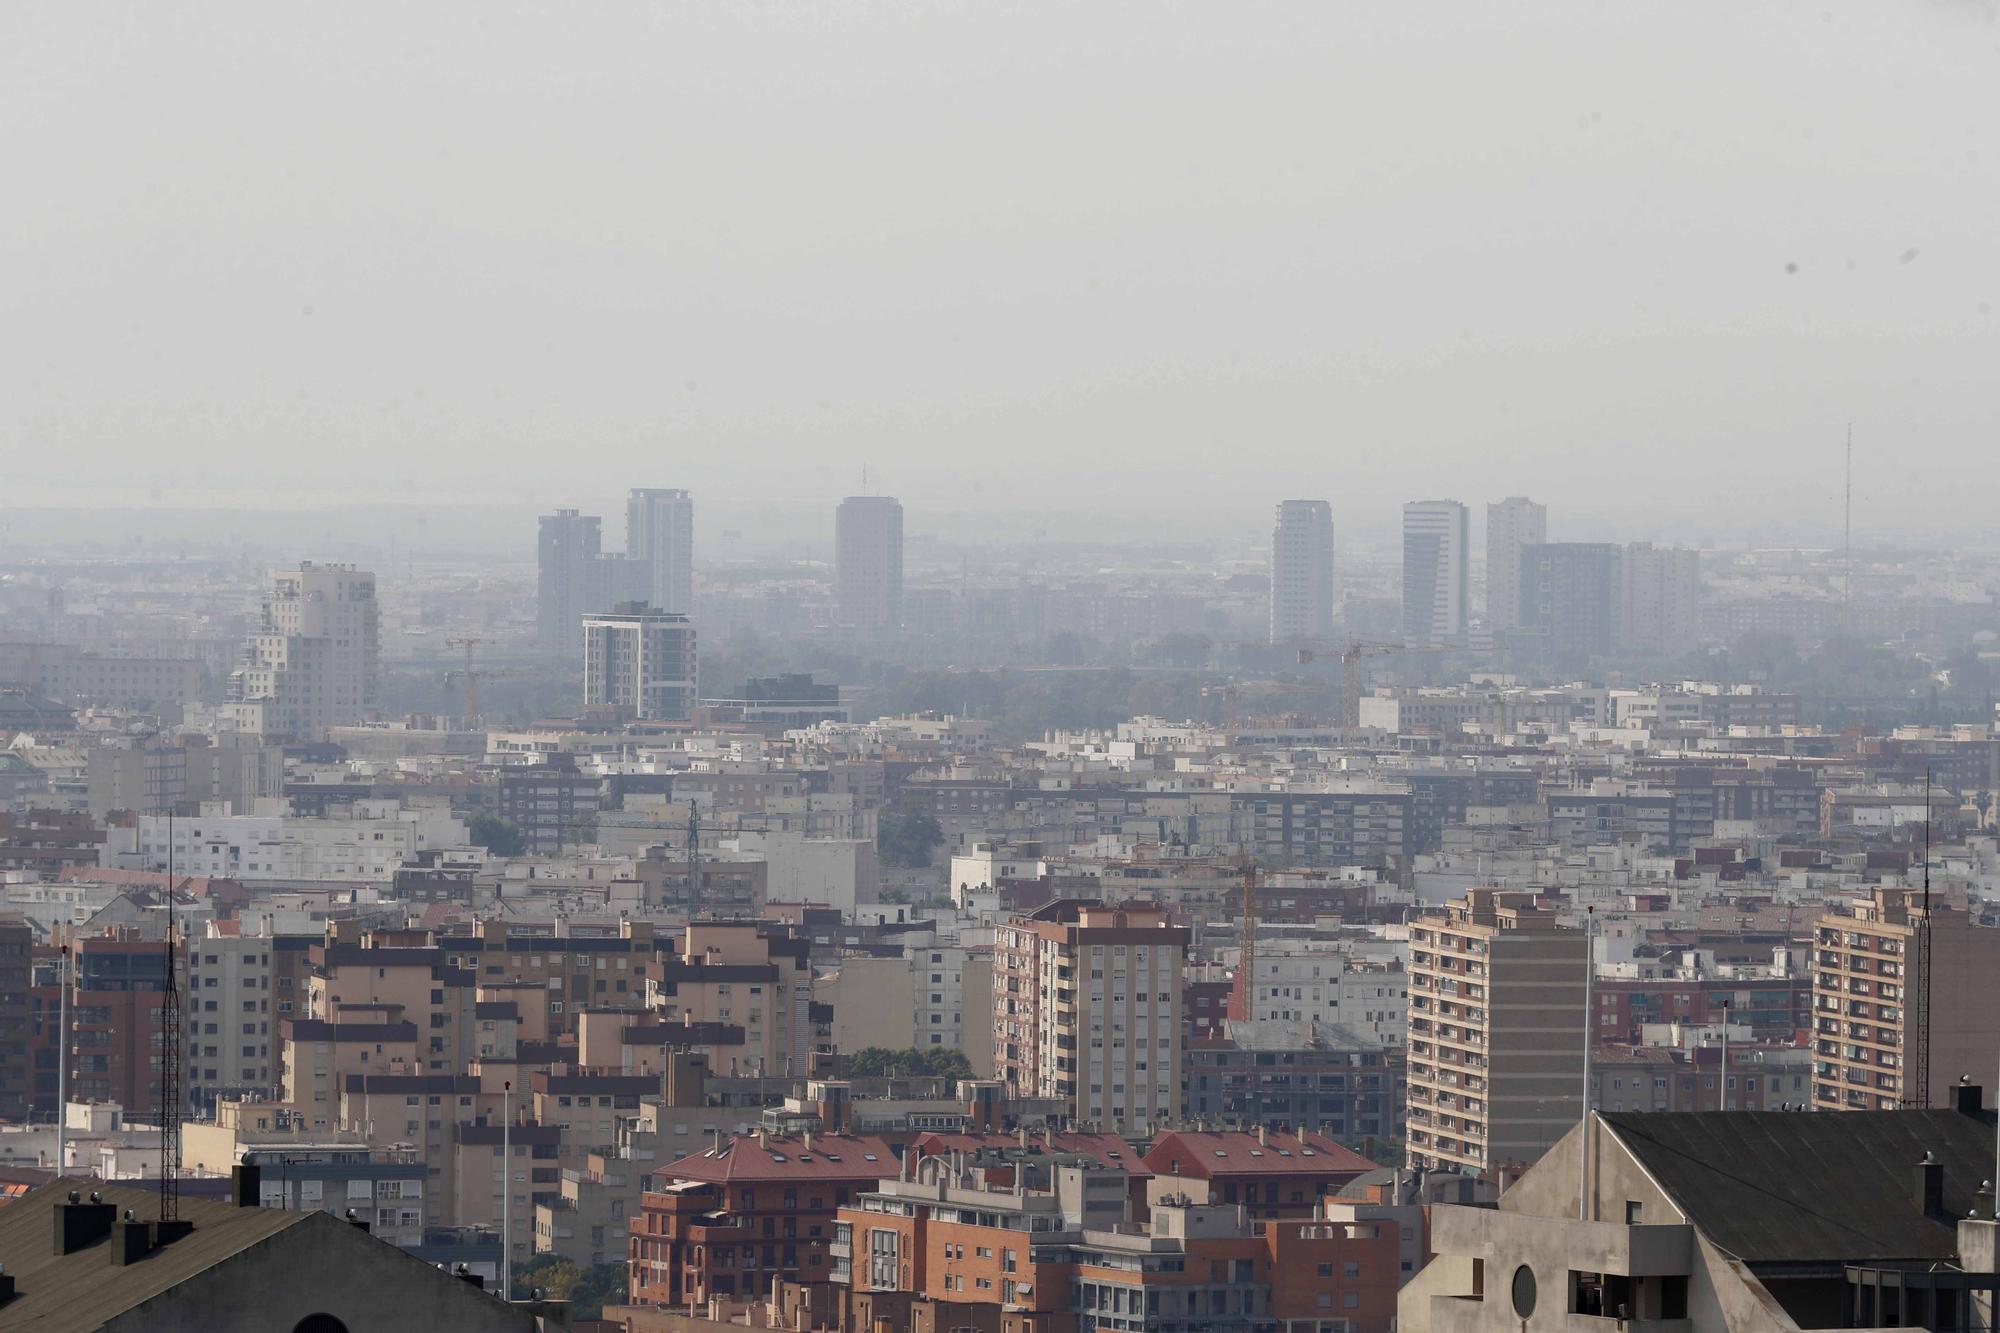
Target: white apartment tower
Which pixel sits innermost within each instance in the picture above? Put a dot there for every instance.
(639, 661)
(659, 540)
(868, 562)
(315, 659)
(1434, 573)
(1302, 571)
(1511, 526)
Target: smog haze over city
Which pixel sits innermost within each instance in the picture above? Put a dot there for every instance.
(1107, 260)
(1102, 667)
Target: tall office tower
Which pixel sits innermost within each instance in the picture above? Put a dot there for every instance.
(1496, 1032)
(570, 577)
(1875, 985)
(868, 562)
(315, 659)
(1434, 573)
(1513, 524)
(639, 661)
(1302, 571)
(1569, 601)
(1087, 1009)
(1659, 607)
(659, 539)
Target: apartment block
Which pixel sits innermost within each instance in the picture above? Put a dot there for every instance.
(1899, 989)
(1496, 1032)
(1088, 1008)
(314, 660)
(639, 663)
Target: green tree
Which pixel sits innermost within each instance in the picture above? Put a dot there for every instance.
(908, 840)
(496, 835)
(913, 1062)
(588, 1290)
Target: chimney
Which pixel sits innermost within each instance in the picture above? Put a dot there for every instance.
(131, 1241)
(1263, 1136)
(80, 1224)
(808, 1141)
(761, 1141)
(245, 1185)
(1970, 1099)
(1930, 1186)
(1022, 1133)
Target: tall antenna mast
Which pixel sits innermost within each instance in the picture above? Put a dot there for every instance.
(1847, 544)
(170, 1057)
(694, 856)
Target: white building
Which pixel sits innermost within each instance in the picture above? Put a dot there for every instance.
(640, 661)
(659, 540)
(868, 562)
(1302, 571)
(1306, 981)
(315, 659)
(368, 846)
(231, 1040)
(1434, 572)
(1511, 525)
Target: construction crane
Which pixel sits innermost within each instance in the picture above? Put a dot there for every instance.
(470, 678)
(1247, 962)
(1350, 671)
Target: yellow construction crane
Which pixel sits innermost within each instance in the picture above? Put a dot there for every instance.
(1350, 671)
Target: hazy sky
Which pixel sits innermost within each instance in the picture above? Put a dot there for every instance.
(1643, 261)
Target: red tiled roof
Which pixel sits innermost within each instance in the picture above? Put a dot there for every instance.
(743, 1160)
(1106, 1148)
(1238, 1153)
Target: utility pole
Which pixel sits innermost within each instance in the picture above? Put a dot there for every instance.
(507, 1192)
(1589, 1034)
(62, 1061)
(1722, 1088)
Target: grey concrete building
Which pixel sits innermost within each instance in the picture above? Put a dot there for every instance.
(1750, 1222)
(1512, 525)
(868, 563)
(1496, 1032)
(1302, 571)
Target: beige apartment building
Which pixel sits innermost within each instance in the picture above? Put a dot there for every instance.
(1087, 1008)
(1496, 1032)
(1869, 981)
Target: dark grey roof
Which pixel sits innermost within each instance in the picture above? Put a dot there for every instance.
(1787, 1187)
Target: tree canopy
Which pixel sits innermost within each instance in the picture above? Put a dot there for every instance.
(915, 1062)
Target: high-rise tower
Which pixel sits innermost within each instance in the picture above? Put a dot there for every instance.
(1511, 525)
(659, 540)
(868, 562)
(1434, 573)
(1302, 571)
